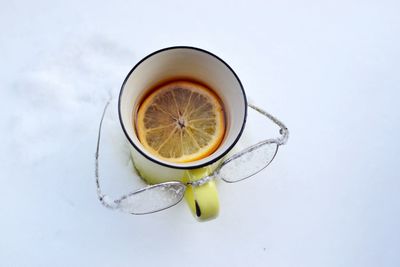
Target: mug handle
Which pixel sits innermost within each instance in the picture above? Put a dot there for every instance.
(202, 200)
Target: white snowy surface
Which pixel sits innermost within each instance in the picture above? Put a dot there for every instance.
(328, 69)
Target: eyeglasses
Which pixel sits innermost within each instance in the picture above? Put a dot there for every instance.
(158, 197)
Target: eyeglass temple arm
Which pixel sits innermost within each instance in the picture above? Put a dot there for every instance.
(283, 129)
(102, 197)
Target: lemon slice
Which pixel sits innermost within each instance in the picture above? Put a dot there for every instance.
(180, 122)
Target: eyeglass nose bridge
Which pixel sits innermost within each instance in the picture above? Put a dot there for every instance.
(202, 181)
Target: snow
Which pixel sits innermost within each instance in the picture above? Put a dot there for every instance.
(329, 71)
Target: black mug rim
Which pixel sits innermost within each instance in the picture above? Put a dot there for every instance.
(163, 163)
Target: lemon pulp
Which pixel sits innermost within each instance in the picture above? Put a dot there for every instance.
(181, 121)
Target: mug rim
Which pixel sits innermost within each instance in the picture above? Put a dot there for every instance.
(155, 159)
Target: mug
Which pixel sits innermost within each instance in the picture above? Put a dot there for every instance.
(188, 63)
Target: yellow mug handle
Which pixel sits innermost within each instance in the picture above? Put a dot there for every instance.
(202, 200)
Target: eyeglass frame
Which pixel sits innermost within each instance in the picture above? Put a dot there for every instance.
(114, 203)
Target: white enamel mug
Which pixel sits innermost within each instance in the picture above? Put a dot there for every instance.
(176, 63)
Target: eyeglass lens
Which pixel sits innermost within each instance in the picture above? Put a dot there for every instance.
(152, 198)
(248, 162)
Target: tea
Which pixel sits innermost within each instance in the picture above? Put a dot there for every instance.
(180, 121)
